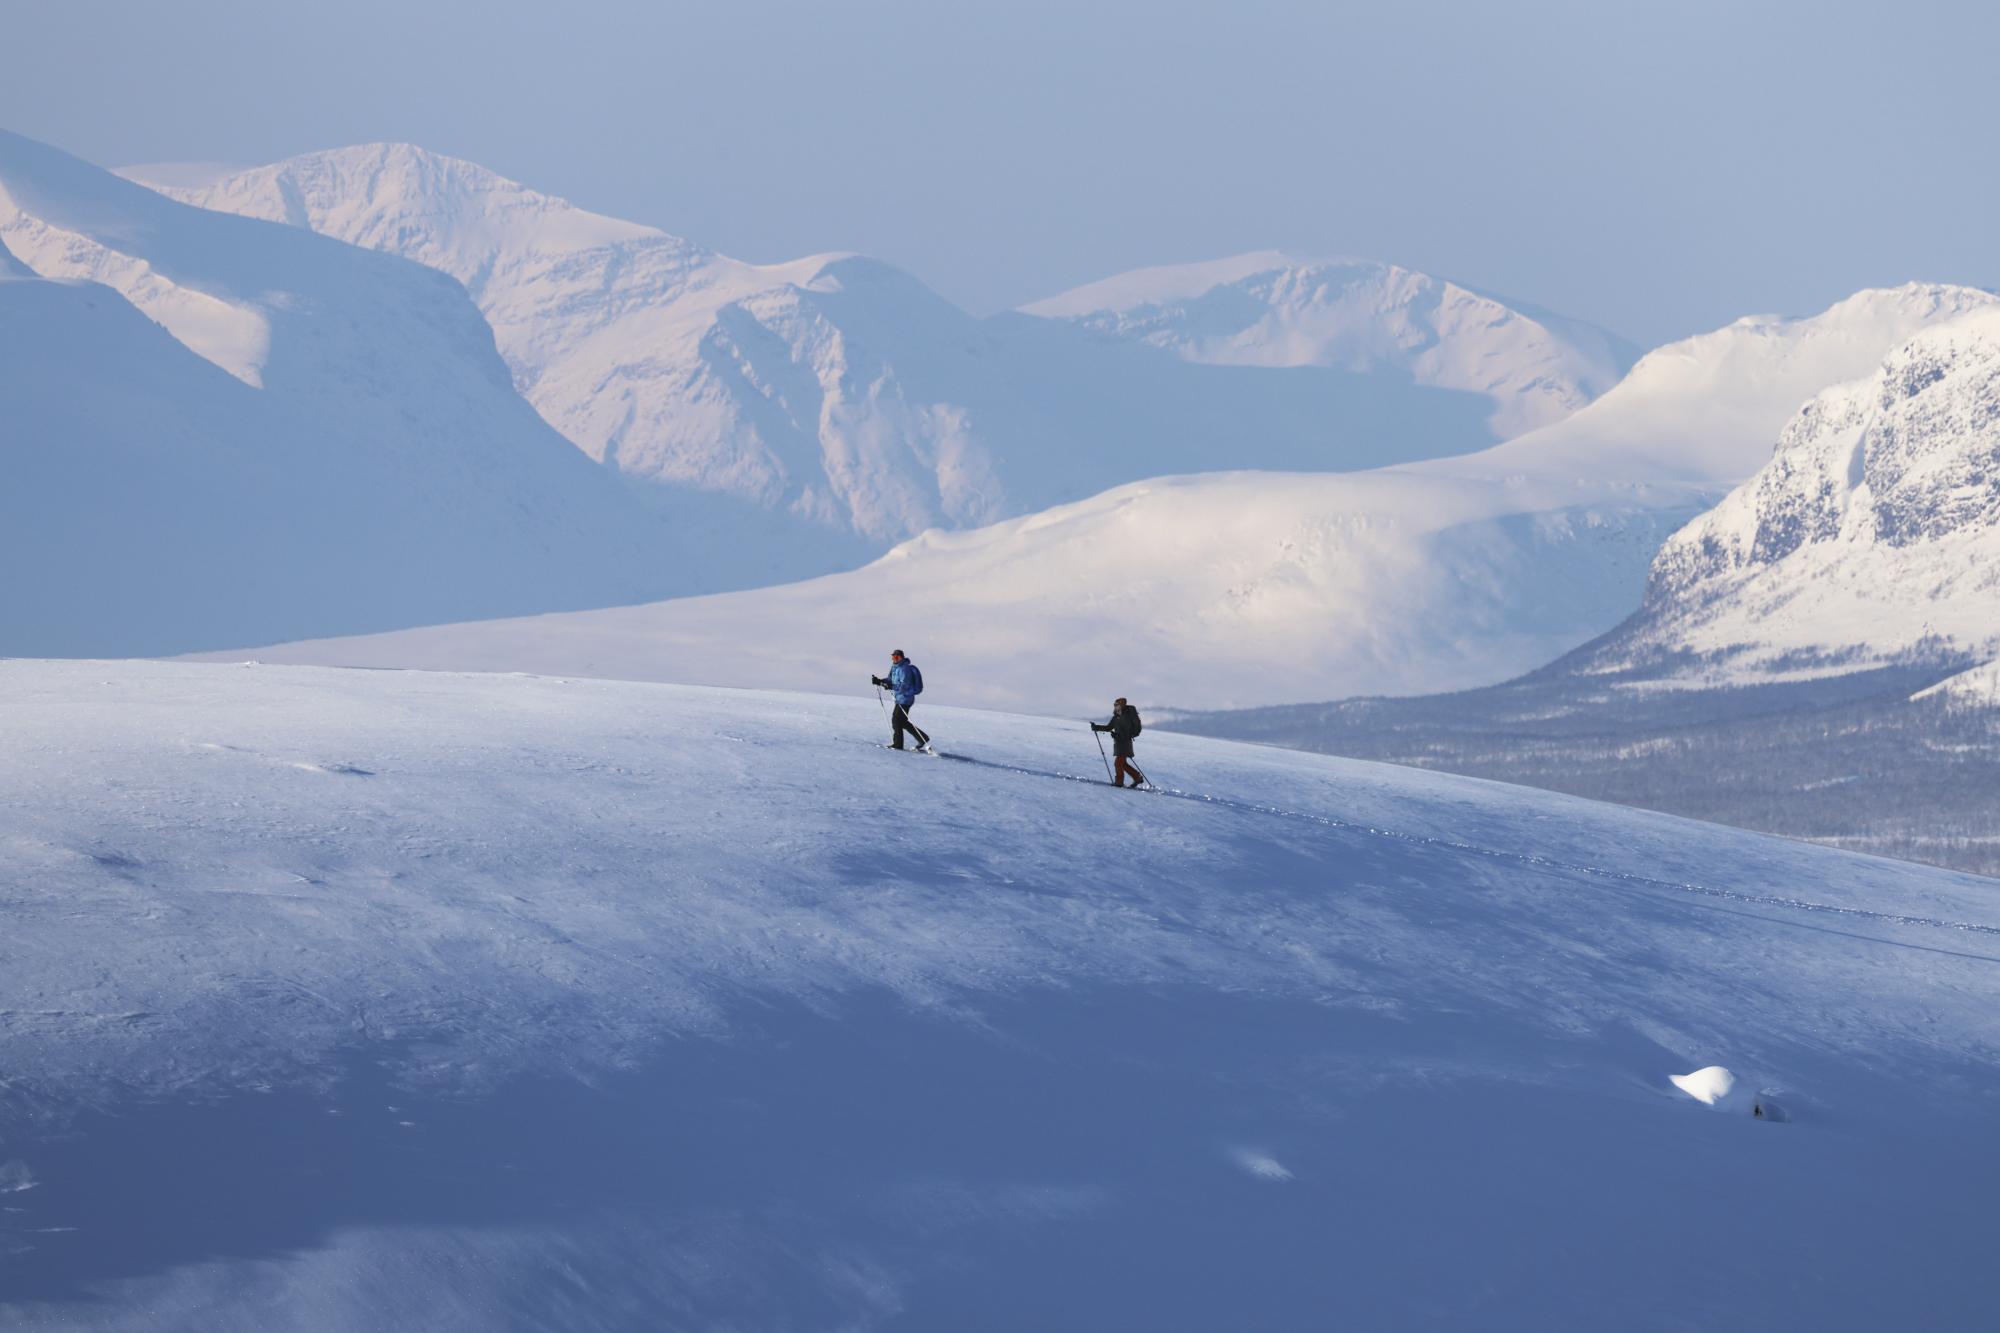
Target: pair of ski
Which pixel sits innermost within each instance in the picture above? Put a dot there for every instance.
(926, 747)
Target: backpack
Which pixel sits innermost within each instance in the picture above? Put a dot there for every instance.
(914, 677)
(1137, 726)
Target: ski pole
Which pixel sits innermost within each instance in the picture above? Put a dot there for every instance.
(923, 744)
(1100, 755)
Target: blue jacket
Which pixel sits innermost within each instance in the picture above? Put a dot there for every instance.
(906, 681)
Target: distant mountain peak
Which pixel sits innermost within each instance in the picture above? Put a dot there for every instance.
(845, 402)
(1274, 309)
(1707, 408)
(1163, 283)
(441, 211)
(368, 465)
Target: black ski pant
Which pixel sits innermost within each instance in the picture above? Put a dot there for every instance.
(900, 720)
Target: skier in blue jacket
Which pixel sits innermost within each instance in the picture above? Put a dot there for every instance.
(906, 683)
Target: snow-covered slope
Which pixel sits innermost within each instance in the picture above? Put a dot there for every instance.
(1239, 590)
(217, 428)
(1872, 535)
(840, 393)
(1979, 687)
(1278, 310)
(395, 1001)
(1230, 589)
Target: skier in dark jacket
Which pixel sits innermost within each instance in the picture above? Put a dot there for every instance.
(906, 683)
(1124, 727)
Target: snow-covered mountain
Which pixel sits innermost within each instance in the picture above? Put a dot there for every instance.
(1800, 661)
(1872, 536)
(217, 428)
(1707, 409)
(1976, 688)
(1247, 589)
(395, 1001)
(1278, 310)
(840, 393)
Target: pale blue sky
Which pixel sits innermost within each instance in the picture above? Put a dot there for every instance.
(1658, 167)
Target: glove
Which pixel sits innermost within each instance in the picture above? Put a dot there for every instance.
(877, 682)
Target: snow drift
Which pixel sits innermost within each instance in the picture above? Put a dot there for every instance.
(392, 1000)
(1237, 590)
(218, 429)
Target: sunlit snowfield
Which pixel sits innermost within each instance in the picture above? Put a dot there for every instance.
(402, 1000)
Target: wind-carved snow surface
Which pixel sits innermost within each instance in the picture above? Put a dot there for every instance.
(220, 429)
(837, 405)
(391, 1001)
(1278, 310)
(1238, 590)
(1872, 536)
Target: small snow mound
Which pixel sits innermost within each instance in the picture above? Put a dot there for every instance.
(1260, 1164)
(1717, 1087)
(1712, 1085)
(15, 1178)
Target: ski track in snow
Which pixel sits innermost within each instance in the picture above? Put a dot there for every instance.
(1518, 858)
(405, 1000)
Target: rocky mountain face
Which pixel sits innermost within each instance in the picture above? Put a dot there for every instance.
(1871, 536)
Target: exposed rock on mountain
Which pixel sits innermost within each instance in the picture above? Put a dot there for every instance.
(1872, 536)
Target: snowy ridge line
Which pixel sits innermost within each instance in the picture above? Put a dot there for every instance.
(1519, 858)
